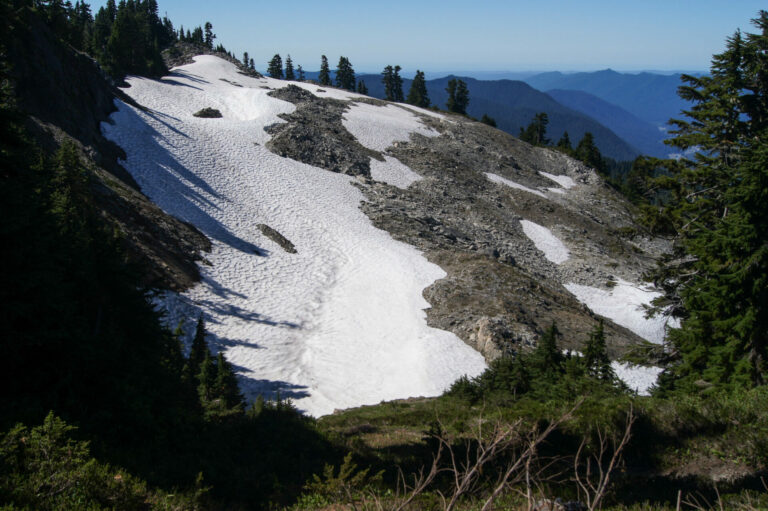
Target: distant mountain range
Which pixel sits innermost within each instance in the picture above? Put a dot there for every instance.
(513, 103)
(641, 134)
(625, 112)
(650, 97)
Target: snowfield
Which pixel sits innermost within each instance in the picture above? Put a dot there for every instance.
(626, 305)
(554, 249)
(341, 323)
(640, 379)
(564, 181)
(393, 172)
(504, 181)
(378, 127)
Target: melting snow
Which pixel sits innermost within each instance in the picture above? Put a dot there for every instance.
(393, 172)
(625, 304)
(564, 181)
(638, 378)
(378, 127)
(339, 324)
(554, 249)
(502, 180)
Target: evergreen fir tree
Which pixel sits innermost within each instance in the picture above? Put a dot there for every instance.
(345, 75)
(198, 349)
(361, 88)
(536, 132)
(300, 74)
(275, 67)
(565, 143)
(245, 59)
(226, 385)
(206, 381)
(486, 119)
(588, 152)
(458, 96)
(252, 65)
(547, 358)
(418, 95)
(209, 35)
(387, 79)
(289, 73)
(324, 78)
(397, 85)
(596, 360)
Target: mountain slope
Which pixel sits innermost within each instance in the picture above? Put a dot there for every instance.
(641, 134)
(338, 320)
(513, 104)
(649, 96)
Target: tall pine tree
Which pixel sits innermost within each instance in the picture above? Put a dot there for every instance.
(324, 78)
(418, 95)
(289, 74)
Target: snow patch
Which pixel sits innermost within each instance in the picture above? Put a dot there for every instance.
(341, 323)
(641, 379)
(625, 304)
(393, 172)
(504, 181)
(554, 249)
(564, 181)
(378, 127)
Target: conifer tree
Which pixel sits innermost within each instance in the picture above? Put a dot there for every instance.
(198, 349)
(300, 74)
(345, 75)
(536, 132)
(565, 143)
(275, 67)
(209, 35)
(226, 387)
(486, 119)
(289, 73)
(206, 381)
(397, 85)
(245, 59)
(361, 87)
(418, 95)
(547, 358)
(324, 78)
(596, 360)
(387, 78)
(588, 152)
(458, 96)
(252, 65)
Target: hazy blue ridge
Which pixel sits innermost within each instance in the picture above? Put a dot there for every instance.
(513, 103)
(651, 97)
(643, 135)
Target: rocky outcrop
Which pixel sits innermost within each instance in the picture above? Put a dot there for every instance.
(313, 134)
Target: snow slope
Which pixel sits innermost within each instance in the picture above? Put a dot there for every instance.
(553, 249)
(504, 181)
(338, 324)
(626, 305)
(378, 127)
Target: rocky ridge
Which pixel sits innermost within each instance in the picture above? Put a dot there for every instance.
(500, 293)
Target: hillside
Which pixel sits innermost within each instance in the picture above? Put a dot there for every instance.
(513, 104)
(641, 134)
(650, 97)
(338, 320)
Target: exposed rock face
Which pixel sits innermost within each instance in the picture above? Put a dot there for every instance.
(500, 293)
(278, 238)
(67, 96)
(313, 134)
(208, 113)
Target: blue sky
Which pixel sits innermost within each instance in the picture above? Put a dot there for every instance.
(487, 35)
